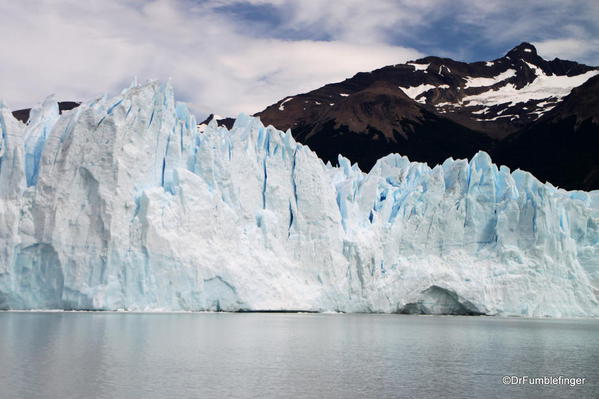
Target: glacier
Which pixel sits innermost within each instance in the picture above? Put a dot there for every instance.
(122, 203)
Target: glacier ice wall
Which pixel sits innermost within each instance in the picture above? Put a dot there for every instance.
(123, 204)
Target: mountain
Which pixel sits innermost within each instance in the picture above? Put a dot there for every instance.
(434, 108)
(563, 145)
(124, 203)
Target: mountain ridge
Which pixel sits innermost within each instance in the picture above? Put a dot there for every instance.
(450, 109)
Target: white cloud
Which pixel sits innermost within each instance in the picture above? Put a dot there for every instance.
(275, 68)
(78, 51)
(355, 21)
(570, 48)
(544, 22)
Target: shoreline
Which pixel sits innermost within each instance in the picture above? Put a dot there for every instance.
(297, 312)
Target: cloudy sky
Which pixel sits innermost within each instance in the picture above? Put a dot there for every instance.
(229, 56)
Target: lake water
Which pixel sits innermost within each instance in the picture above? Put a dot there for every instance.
(226, 355)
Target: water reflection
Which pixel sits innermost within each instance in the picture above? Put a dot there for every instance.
(106, 355)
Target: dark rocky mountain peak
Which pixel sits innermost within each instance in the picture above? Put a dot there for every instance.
(523, 50)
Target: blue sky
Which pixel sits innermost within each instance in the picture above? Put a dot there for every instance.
(228, 56)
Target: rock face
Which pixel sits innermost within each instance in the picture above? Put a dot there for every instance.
(563, 145)
(124, 204)
(434, 108)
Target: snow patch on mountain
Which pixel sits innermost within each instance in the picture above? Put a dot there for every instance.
(282, 105)
(481, 82)
(416, 91)
(481, 111)
(544, 86)
(419, 67)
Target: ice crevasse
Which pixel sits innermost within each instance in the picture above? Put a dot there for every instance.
(122, 203)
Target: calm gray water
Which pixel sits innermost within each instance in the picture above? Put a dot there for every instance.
(115, 355)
